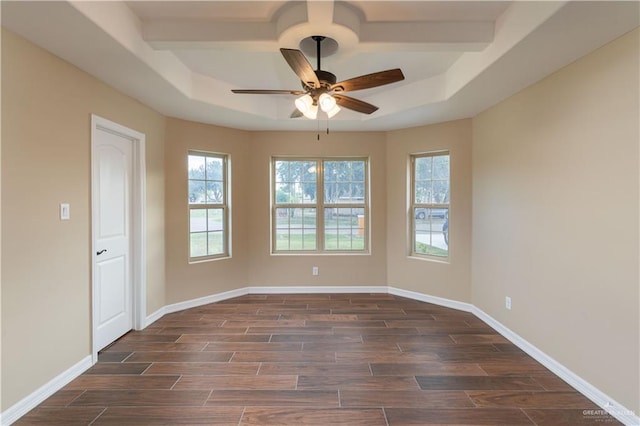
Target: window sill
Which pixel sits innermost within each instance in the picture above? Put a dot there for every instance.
(434, 259)
(208, 259)
(321, 253)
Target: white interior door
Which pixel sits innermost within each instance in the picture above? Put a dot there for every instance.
(112, 186)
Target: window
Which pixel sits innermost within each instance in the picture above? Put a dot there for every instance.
(320, 205)
(430, 204)
(208, 206)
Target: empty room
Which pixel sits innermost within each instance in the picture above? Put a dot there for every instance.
(320, 212)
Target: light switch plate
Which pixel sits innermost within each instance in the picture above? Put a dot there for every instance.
(65, 211)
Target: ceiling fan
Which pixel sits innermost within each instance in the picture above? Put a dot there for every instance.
(320, 87)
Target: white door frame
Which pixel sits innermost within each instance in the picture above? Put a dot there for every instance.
(138, 230)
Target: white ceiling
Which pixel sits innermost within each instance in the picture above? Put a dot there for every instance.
(182, 58)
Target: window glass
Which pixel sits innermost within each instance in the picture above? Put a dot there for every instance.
(430, 196)
(208, 205)
(336, 222)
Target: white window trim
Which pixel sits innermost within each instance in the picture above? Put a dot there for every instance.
(319, 205)
(413, 205)
(225, 206)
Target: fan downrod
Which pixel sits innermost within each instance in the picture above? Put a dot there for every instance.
(326, 78)
(318, 39)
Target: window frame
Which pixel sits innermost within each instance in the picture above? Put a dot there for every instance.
(320, 205)
(224, 206)
(413, 205)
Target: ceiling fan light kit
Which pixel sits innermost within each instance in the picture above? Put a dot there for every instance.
(321, 89)
(327, 102)
(333, 111)
(312, 112)
(304, 103)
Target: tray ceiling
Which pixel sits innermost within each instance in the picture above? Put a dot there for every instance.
(182, 58)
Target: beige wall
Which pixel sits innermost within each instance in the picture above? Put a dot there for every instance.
(46, 264)
(191, 281)
(292, 270)
(251, 263)
(450, 279)
(555, 216)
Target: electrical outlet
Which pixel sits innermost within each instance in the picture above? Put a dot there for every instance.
(507, 302)
(314, 271)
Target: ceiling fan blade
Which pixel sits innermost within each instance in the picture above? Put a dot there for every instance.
(301, 67)
(355, 104)
(268, 92)
(368, 81)
(295, 113)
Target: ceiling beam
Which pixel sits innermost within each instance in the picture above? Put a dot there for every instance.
(252, 36)
(320, 12)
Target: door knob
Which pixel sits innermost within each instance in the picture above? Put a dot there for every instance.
(101, 251)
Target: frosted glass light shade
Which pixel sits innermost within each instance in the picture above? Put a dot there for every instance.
(327, 102)
(304, 103)
(333, 111)
(312, 112)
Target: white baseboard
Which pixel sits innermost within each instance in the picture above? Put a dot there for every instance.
(28, 403)
(154, 317)
(317, 289)
(448, 303)
(194, 303)
(608, 404)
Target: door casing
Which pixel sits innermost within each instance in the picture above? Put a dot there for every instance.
(138, 225)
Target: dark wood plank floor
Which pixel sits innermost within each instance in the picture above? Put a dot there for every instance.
(300, 359)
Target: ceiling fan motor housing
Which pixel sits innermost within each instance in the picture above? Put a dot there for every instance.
(326, 78)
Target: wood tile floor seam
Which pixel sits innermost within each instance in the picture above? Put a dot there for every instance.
(77, 396)
(175, 383)
(97, 417)
(528, 416)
